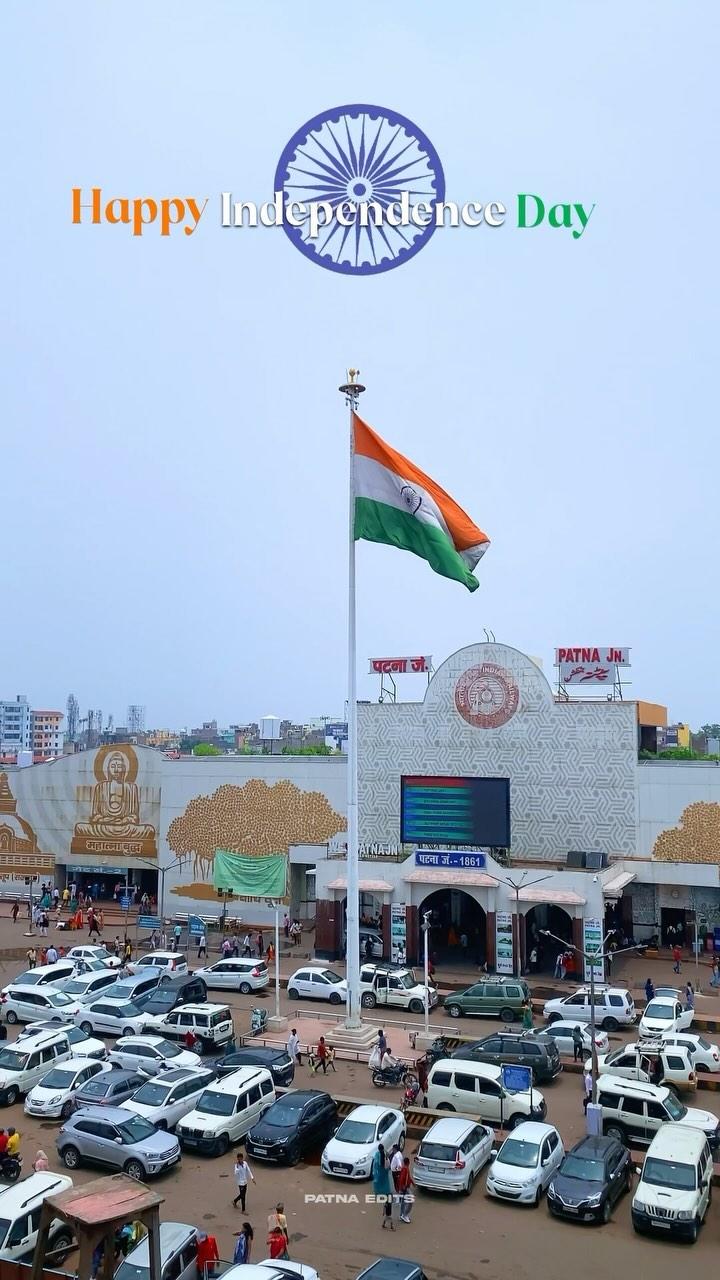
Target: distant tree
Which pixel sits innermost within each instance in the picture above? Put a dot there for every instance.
(317, 749)
(710, 730)
(206, 749)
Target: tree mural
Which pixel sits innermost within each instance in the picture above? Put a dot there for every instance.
(254, 818)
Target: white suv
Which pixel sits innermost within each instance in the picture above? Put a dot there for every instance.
(385, 985)
(673, 1194)
(170, 963)
(211, 1024)
(23, 1065)
(633, 1112)
(20, 1209)
(614, 1007)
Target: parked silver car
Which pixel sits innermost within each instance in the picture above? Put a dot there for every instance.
(112, 1137)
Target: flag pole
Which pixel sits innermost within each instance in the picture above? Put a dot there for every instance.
(352, 391)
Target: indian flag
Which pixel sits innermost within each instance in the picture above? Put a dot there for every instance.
(396, 503)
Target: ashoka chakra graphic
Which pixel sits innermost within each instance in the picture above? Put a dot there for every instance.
(349, 157)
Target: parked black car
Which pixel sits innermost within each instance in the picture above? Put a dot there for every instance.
(185, 988)
(301, 1119)
(393, 1269)
(593, 1176)
(516, 1050)
(278, 1062)
(109, 1088)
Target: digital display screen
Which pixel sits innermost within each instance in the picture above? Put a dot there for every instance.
(461, 811)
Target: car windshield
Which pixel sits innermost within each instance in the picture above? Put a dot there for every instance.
(4, 1224)
(660, 1009)
(126, 1011)
(524, 1155)
(163, 1001)
(666, 1173)
(212, 1103)
(355, 1131)
(57, 1079)
(136, 1129)
(12, 1061)
(58, 999)
(702, 1043)
(96, 1089)
(675, 1109)
(75, 987)
(168, 1049)
(152, 1094)
(331, 977)
(586, 1170)
(616, 1053)
(281, 1114)
(75, 1035)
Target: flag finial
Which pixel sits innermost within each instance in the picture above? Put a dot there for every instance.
(352, 389)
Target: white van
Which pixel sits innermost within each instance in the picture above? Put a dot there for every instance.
(20, 1209)
(614, 1007)
(226, 1111)
(673, 1194)
(475, 1089)
(23, 1064)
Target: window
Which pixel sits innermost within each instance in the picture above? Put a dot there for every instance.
(266, 1086)
(656, 1111)
(173, 1269)
(385, 1122)
(553, 1141)
(441, 1078)
(20, 1230)
(493, 1045)
(253, 1094)
(466, 1083)
(675, 1063)
(472, 1140)
(575, 1001)
(318, 978)
(513, 992)
(525, 1047)
(616, 1000)
(633, 1106)
(489, 1089)
(493, 990)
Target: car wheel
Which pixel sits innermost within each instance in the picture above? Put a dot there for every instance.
(66, 1110)
(71, 1157)
(11, 1096)
(135, 1170)
(507, 1015)
(293, 993)
(368, 1000)
(200, 1048)
(416, 1006)
(293, 1154)
(335, 998)
(693, 1232)
(554, 1017)
(63, 1242)
(609, 1024)
(401, 1145)
(538, 1198)
(222, 1144)
(615, 1131)
(700, 1066)
(468, 1185)
(245, 988)
(629, 1177)
(128, 1031)
(445, 1106)
(605, 1212)
(87, 1027)
(513, 1121)
(11, 1017)
(454, 1010)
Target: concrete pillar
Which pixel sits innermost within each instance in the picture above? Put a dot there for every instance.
(490, 940)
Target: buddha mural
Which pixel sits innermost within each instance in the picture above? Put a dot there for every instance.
(114, 824)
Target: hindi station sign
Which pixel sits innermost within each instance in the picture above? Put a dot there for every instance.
(400, 666)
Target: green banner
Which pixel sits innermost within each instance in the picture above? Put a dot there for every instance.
(250, 875)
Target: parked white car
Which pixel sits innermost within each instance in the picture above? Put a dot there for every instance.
(20, 1210)
(705, 1056)
(270, 1270)
(664, 1014)
(316, 983)
(54, 1096)
(451, 1155)
(349, 1153)
(42, 975)
(81, 1046)
(655, 1062)
(235, 974)
(111, 1018)
(151, 1054)
(85, 988)
(525, 1163)
(561, 1033)
(168, 1097)
(614, 1007)
(172, 963)
(33, 1004)
(22, 1066)
(675, 1187)
(89, 951)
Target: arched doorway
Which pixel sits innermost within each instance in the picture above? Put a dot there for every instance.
(454, 916)
(557, 921)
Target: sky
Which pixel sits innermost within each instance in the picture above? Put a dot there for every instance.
(174, 454)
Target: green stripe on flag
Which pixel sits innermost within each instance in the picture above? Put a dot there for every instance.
(378, 522)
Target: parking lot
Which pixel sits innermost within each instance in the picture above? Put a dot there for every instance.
(452, 1237)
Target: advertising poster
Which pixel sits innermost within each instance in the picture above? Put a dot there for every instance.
(504, 952)
(592, 944)
(398, 932)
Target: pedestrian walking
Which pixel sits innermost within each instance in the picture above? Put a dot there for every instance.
(396, 1164)
(587, 1086)
(127, 951)
(293, 1047)
(382, 1187)
(202, 946)
(51, 954)
(15, 909)
(260, 943)
(649, 990)
(247, 945)
(31, 955)
(677, 957)
(243, 1248)
(405, 1187)
(177, 934)
(577, 1039)
(321, 1056)
(286, 926)
(689, 996)
(527, 1015)
(243, 1174)
(277, 1244)
(277, 1220)
(715, 980)
(190, 1039)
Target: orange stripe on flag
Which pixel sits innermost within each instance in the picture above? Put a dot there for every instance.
(462, 530)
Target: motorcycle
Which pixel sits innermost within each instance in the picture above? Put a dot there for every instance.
(258, 1021)
(10, 1167)
(412, 1089)
(399, 1074)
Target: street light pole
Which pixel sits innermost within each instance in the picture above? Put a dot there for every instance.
(426, 934)
(516, 886)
